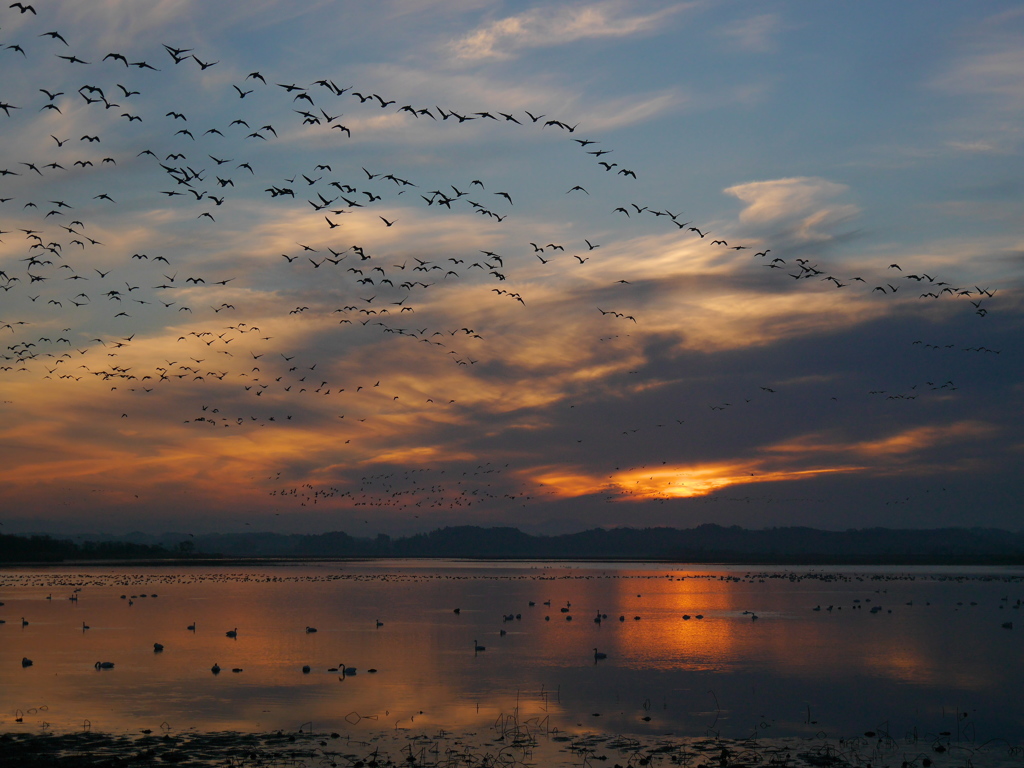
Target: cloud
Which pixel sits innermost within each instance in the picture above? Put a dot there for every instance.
(798, 203)
(114, 22)
(904, 447)
(803, 458)
(654, 321)
(544, 27)
(754, 34)
(629, 110)
(986, 72)
(983, 78)
(975, 146)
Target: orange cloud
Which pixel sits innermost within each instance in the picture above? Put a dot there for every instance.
(782, 462)
(902, 443)
(676, 481)
(699, 480)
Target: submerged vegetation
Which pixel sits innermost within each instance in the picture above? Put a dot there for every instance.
(510, 744)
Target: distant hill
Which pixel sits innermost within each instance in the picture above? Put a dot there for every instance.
(704, 544)
(42, 549)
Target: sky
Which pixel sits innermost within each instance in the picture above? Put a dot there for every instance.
(386, 267)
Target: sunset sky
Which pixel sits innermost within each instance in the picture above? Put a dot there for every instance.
(557, 265)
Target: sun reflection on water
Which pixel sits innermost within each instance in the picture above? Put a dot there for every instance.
(643, 648)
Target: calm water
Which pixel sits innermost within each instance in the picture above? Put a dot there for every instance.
(934, 658)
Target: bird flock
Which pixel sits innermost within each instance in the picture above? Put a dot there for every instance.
(121, 193)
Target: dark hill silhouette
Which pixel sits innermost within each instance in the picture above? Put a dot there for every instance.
(704, 544)
(48, 549)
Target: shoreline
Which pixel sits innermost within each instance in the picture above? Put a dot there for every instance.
(509, 746)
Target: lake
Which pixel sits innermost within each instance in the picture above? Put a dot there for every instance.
(768, 651)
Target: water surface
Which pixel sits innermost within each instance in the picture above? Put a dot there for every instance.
(902, 650)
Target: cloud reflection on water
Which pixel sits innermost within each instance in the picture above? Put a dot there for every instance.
(729, 670)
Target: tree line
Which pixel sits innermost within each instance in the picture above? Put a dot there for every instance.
(704, 544)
